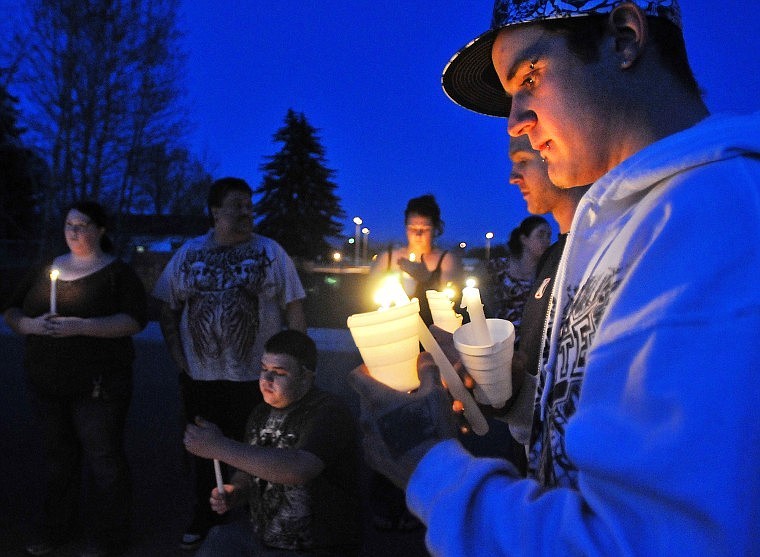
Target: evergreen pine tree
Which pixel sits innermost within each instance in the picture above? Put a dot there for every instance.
(21, 173)
(298, 206)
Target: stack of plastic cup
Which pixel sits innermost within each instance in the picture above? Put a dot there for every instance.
(490, 366)
(389, 344)
(443, 312)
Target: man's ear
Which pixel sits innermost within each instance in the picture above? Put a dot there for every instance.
(630, 31)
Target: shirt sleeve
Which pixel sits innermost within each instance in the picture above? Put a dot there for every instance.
(164, 289)
(330, 428)
(132, 296)
(292, 289)
(16, 299)
(659, 472)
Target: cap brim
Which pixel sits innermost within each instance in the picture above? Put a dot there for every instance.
(469, 79)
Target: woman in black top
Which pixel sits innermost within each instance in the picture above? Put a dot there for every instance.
(423, 265)
(78, 359)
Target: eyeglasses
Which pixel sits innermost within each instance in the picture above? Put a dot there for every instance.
(77, 226)
(244, 207)
(419, 230)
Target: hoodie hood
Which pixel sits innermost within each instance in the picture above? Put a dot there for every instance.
(717, 137)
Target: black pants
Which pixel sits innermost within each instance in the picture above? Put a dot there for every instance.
(81, 432)
(228, 405)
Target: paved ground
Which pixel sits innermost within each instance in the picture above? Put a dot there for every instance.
(153, 444)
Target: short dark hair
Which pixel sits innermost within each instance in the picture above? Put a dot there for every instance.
(219, 190)
(98, 216)
(294, 343)
(584, 36)
(526, 227)
(425, 206)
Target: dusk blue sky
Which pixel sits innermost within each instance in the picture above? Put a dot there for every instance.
(366, 74)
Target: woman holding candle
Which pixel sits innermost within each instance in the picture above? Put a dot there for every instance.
(78, 359)
(424, 266)
(509, 279)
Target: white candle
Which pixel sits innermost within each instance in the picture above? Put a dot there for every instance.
(471, 300)
(442, 309)
(53, 281)
(219, 482)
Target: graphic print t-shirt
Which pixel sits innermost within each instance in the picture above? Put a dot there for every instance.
(233, 299)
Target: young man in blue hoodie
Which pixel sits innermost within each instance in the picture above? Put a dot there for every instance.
(646, 439)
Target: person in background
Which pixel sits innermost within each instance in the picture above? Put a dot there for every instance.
(529, 173)
(78, 358)
(652, 349)
(510, 278)
(224, 294)
(424, 266)
(296, 470)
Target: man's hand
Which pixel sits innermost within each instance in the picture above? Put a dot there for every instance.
(221, 503)
(204, 439)
(399, 428)
(446, 341)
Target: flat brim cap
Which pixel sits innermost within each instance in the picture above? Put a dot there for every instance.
(470, 80)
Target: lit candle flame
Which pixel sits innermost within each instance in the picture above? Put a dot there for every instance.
(391, 293)
(412, 257)
(449, 291)
(54, 274)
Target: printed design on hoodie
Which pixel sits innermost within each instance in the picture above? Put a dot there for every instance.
(549, 462)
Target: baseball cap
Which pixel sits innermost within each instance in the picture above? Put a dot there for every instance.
(469, 79)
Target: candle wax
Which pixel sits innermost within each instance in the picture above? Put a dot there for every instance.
(471, 300)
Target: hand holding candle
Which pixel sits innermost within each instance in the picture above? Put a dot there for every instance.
(53, 287)
(454, 384)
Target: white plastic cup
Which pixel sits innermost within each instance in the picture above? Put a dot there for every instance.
(442, 309)
(389, 344)
(490, 366)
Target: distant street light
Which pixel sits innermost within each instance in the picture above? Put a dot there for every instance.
(462, 245)
(489, 235)
(336, 257)
(365, 238)
(357, 222)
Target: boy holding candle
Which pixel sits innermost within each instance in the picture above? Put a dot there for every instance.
(296, 469)
(650, 338)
